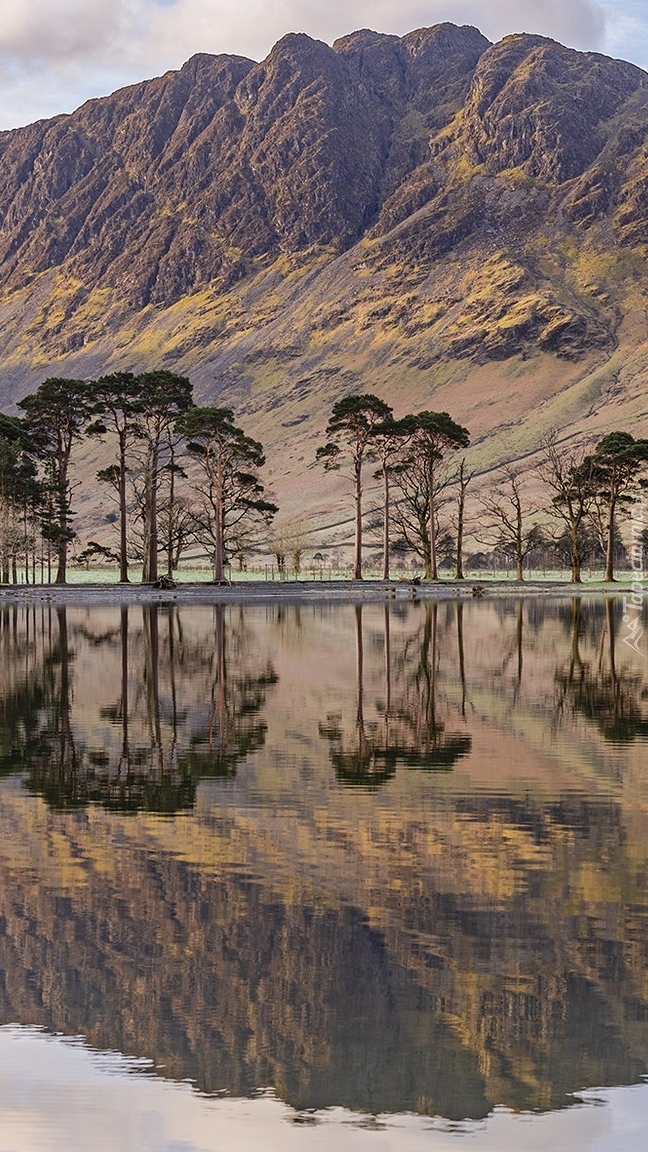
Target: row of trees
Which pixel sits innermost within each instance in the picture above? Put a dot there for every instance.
(149, 419)
(408, 451)
(155, 431)
(586, 490)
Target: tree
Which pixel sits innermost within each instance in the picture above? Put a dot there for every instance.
(296, 530)
(163, 399)
(388, 440)
(115, 408)
(233, 499)
(20, 495)
(612, 469)
(287, 540)
(431, 435)
(505, 509)
(179, 529)
(55, 417)
(411, 513)
(174, 509)
(279, 547)
(462, 480)
(9, 455)
(566, 473)
(351, 430)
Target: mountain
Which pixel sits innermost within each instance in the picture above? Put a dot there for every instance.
(450, 223)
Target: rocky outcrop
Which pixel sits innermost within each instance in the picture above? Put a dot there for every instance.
(182, 181)
(426, 159)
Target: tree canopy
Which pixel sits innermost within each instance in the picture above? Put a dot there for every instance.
(55, 417)
(351, 432)
(233, 497)
(614, 467)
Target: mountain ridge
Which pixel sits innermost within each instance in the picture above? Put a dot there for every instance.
(456, 223)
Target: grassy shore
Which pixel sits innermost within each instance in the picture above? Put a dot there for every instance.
(304, 591)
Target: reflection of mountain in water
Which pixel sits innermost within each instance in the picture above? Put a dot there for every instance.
(455, 941)
(167, 741)
(302, 998)
(458, 1004)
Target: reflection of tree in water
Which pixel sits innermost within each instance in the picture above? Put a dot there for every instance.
(412, 734)
(24, 683)
(167, 742)
(598, 688)
(235, 726)
(417, 731)
(505, 966)
(363, 757)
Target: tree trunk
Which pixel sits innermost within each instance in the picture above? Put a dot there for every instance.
(218, 480)
(386, 525)
(153, 527)
(146, 520)
(459, 573)
(61, 555)
(609, 550)
(123, 544)
(519, 544)
(63, 457)
(357, 559)
(427, 563)
(170, 519)
(219, 551)
(434, 575)
(575, 561)
(61, 544)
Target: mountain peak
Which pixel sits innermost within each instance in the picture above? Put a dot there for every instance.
(367, 211)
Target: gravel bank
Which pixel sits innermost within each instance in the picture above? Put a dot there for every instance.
(302, 592)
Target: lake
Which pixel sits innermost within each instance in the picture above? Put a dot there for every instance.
(284, 876)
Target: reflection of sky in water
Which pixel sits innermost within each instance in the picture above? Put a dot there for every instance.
(56, 1095)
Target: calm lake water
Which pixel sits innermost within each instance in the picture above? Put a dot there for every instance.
(302, 877)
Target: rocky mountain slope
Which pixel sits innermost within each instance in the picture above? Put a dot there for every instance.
(450, 223)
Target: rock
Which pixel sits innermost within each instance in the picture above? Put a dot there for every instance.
(166, 583)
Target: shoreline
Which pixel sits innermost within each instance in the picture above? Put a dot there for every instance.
(304, 592)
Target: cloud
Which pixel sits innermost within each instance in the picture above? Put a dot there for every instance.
(252, 29)
(82, 48)
(66, 30)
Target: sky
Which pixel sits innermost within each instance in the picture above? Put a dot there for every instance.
(55, 54)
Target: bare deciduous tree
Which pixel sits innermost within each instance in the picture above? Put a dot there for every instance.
(566, 474)
(506, 510)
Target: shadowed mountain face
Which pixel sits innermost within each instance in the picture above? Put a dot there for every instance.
(423, 209)
(179, 182)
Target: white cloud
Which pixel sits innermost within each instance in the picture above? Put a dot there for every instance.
(56, 53)
(66, 29)
(223, 25)
(627, 30)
